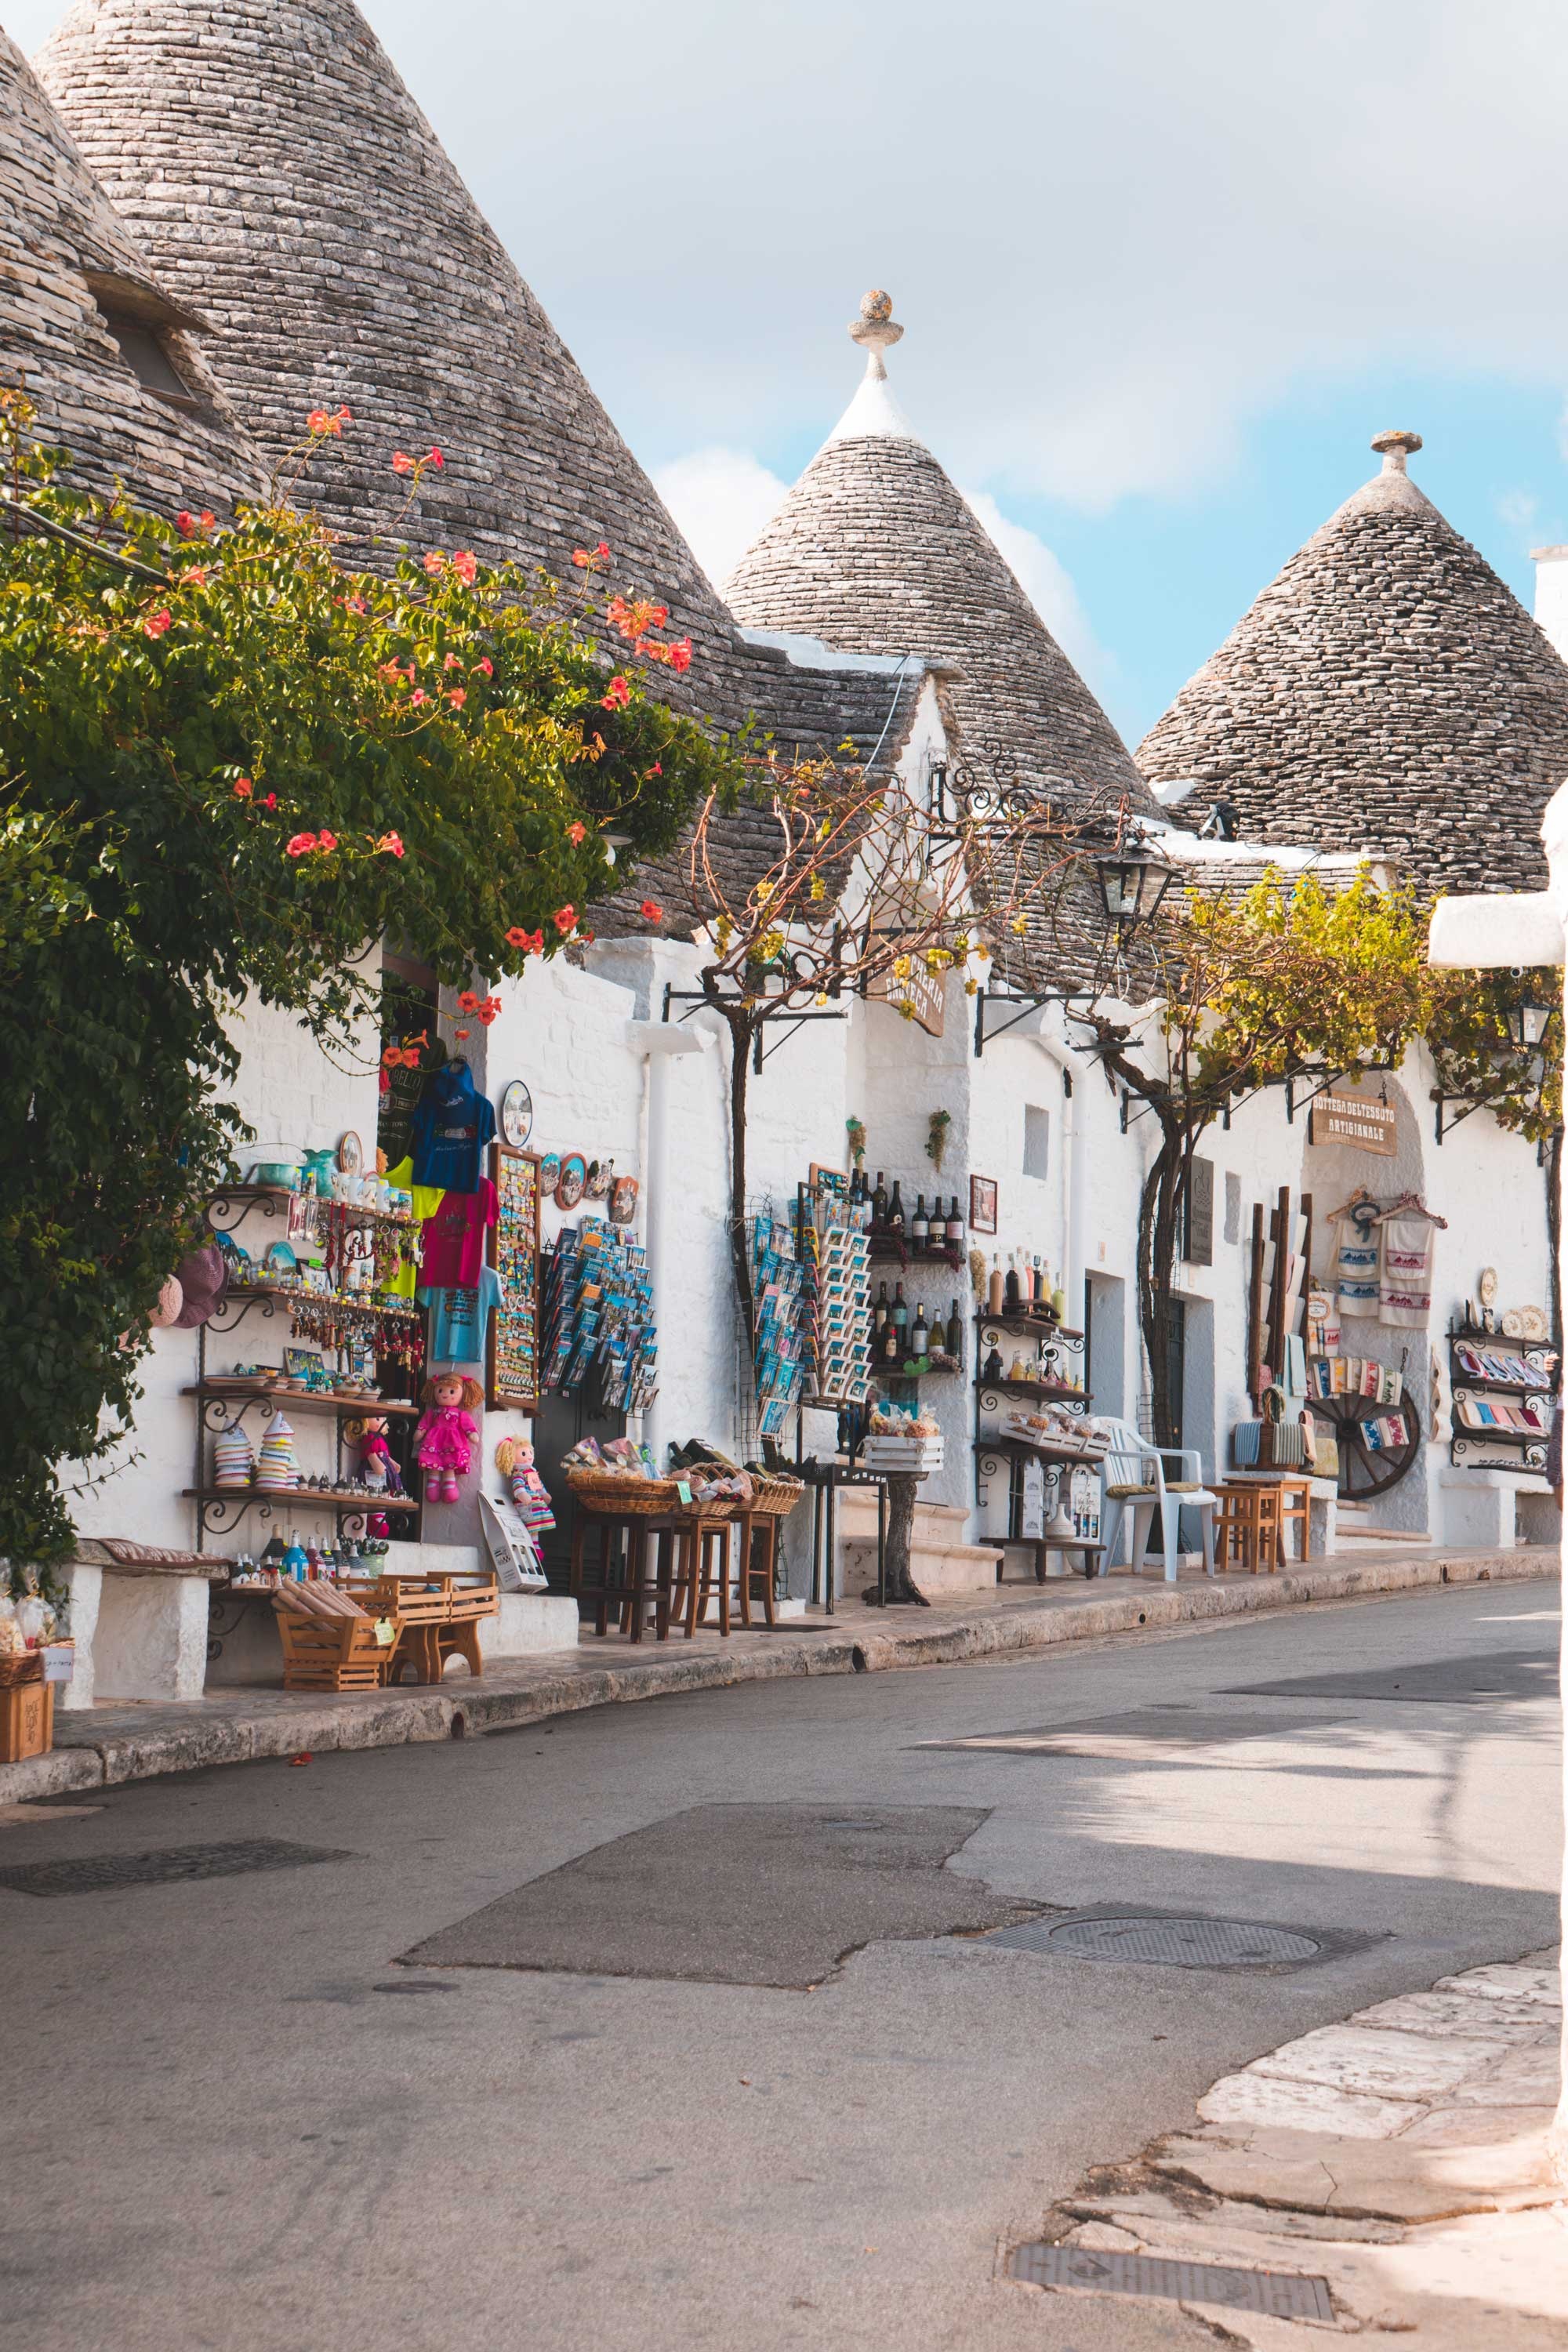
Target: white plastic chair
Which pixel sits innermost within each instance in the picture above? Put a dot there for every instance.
(1134, 1477)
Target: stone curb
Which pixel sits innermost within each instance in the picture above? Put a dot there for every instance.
(858, 1644)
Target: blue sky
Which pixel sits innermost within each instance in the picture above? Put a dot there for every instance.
(1163, 271)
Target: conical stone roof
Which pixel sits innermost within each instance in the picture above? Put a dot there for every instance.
(1385, 692)
(874, 551)
(64, 259)
(283, 180)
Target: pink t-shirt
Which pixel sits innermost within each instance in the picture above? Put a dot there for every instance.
(455, 1239)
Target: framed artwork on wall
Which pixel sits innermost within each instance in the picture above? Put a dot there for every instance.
(982, 1205)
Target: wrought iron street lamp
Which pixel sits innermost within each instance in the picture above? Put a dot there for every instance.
(1529, 1018)
(1132, 881)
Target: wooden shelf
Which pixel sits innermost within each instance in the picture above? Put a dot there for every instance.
(1057, 1391)
(886, 1249)
(356, 1211)
(1042, 1324)
(341, 1302)
(232, 1391)
(303, 1497)
(1461, 1379)
(1026, 1447)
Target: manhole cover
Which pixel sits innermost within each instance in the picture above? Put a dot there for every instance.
(1282, 2294)
(96, 1872)
(1171, 1942)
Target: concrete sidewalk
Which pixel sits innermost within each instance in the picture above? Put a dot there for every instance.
(116, 1741)
(1395, 2167)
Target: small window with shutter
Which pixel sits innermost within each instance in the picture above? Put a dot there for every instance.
(1198, 1248)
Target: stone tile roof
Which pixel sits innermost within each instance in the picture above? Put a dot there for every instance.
(1386, 691)
(62, 252)
(874, 551)
(284, 180)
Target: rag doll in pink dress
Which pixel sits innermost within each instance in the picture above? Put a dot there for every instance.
(448, 1432)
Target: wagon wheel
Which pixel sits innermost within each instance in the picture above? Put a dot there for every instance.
(1366, 1470)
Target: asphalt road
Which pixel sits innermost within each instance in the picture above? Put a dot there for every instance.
(242, 2117)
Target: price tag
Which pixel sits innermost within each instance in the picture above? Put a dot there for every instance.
(683, 1490)
(385, 1632)
(59, 1661)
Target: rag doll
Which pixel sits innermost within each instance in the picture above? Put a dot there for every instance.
(447, 1432)
(514, 1460)
(376, 1466)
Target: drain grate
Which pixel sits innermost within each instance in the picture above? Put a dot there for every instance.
(1282, 2294)
(1168, 1942)
(166, 1866)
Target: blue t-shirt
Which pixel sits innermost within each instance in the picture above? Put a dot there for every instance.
(460, 1320)
(448, 1137)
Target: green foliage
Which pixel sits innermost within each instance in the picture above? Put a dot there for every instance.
(227, 765)
(1465, 1024)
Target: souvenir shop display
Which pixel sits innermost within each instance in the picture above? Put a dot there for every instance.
(516, 1115)
(835, 1254)
(1503, 1398)
(512, 1359)
(903, 1440)
(452, 1125)
(275, 1470)
(598, 1318)
(781, 1319)
(448, 1432)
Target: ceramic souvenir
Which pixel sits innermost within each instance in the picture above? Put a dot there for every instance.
(569, 1182)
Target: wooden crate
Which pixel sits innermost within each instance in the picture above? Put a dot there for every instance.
(333, 1654)
(26, 1720)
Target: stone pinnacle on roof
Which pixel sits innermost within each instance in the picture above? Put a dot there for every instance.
(85, 323)
(874, 551)
(284, 181)
(1386, 690)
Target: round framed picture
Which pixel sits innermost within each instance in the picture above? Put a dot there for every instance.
(569, 1183)
(549, 1172)
(516, 1115)
(350, 1153)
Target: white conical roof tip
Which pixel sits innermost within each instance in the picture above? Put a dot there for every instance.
(874, 414)
(1396, 447)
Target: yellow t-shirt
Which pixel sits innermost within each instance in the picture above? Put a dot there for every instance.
(427, 1199)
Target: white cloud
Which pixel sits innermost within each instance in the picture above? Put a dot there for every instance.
(1047, 582)
(721, 499)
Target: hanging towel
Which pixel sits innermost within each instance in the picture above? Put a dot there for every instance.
(1356, 1259)
(1405, 1290)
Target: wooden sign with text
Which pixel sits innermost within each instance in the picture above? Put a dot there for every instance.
(1345, 1119)
(922, 990)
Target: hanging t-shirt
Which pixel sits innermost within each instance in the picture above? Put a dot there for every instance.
(455, 1239)
(459, 1318)
(450, 1129)
(426, 1201)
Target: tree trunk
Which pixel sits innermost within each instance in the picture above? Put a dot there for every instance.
(1159, 1233)
(1555, 1230)
(902, 1586)
(741, 1032)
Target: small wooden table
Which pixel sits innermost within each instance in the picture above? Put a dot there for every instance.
(1292, 1494)
(1090, 1548)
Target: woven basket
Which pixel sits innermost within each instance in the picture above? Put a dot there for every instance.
(775, 1499)
(614, 1490)
(20, 1666)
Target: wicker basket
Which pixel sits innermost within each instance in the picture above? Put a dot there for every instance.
(775, 1499)
(20, 1666)
(616, 1491)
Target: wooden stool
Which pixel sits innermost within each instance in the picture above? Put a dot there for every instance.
(629, 1594)
(1295, 1509)
(760, 1574)
(705, 1542)
(1248, 1526)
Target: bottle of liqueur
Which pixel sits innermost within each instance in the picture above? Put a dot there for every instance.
(995, 1290)
(896, 1211)
(879, 1203)
(920, 1341)
(880, 1310)
(920, 1223)
(956, 1335)
(1010, 1289)
(955, 1225)
(1025, 1283)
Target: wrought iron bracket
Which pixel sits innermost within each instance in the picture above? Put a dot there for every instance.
(1445, 1124)
(1021, 1007)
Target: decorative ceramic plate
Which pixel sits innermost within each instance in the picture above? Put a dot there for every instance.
(350, 1153)
(598, 1180)
(570, 1180)
(516, 1115)
(1486, 1288)
(549, 1175)
(623, 1200)
(1526, 1323)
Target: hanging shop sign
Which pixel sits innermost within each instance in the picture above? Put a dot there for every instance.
(922, 990)
(1345, 1119)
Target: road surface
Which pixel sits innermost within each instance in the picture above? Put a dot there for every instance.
(649, 2029)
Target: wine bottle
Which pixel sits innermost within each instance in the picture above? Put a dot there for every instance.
(994, 1291)
(920, 1223)
(896, 1211)
(921, 1339)
(880, 1202)
(1010, 1288)
(881, 1307)
(956, 1335)
(899, 1314)
(955, 1225)
(892, 1344)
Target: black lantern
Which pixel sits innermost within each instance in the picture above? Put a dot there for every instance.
(1529, 1018)
(1132, 881)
